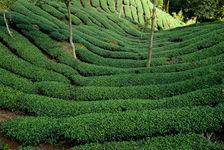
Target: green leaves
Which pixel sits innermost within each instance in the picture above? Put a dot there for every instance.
(201, 8)
(6, 4)
(114, 127)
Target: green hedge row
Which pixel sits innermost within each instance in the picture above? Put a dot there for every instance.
(43, 41)
(119, 5)
(95, 41)
(95, 3)
(51, 10)
(102, 34)
(90, 13)
(127, 11)
(197, 31)
(194, 42)
(132, 33)
(14, 64)
(47, 88)
(140, 12)
(104, 6)
(125, 44)
(86, 69)
(187, 32)
(20, 8)
(112, 6)
(86, 3)
(126, 2)
(169, 142)
(41, 13)
(97, 50)
(134, 13)
(132, 3)
(215, 50)
(101, 17)
(89, 57)
(147, 8)
(55, 89)
(207, 48)
(16, 82)
(193, 45)
(189, 38)
(29, 52)
(75, 20)
(146, 78)
(171, 53)
(114, 127)
(81, 15)
(147, 92)
(37, 105)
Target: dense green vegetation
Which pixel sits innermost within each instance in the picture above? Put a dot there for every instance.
(107, 98)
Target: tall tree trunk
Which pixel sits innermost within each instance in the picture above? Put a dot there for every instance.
(168, 6)
(151, 36)
(70, 28)
(6, 24)
(196, 21)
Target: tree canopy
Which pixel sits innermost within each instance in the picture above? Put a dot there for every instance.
(5, 4)
(203, 9)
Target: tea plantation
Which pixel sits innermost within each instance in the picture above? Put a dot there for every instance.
(107, 99)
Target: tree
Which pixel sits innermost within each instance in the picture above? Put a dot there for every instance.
(171, 6)
(167, 6)
(151, 36)
(219, 14)
(159, 4)
(202, 9)
(5, 5)
(68, 2)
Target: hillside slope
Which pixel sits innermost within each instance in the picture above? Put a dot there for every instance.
(108, 99)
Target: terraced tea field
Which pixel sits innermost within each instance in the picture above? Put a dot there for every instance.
(107, 98)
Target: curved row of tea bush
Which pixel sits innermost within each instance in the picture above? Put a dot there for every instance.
(42, 41)
(146, 78)
(191, 54)
(215, 50)
(67, 91)
(47, 88)
(7, 78)
(142, 11)
(37, 105)
(114, 127)
(89, 57)
(179, 141)
(14, 64)
(147, 92)
(26, 50)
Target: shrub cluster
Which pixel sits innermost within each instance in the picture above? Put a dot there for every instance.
(55, 89)
(37, 105)
(14, 64)
(51, 10)
(147, 92)
(179, 141)
(16, 82)
(114, 127)
(88, 56)
(25, 49)
(146, 78)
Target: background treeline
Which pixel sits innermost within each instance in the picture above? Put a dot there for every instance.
(205, 10)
